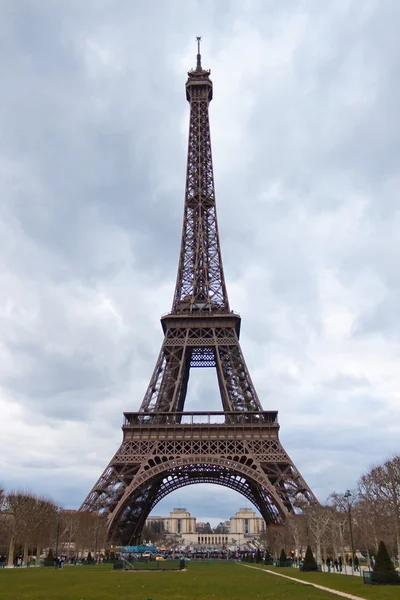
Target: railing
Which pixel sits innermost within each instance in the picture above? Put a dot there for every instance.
(201, 418)
(200, 313)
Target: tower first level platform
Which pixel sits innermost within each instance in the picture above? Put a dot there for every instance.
(161, 452)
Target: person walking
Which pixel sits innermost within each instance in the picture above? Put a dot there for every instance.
(335, 562)
(328, 564)
(356, 563)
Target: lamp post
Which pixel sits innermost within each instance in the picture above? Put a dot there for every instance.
(347, 495)
(95, 550)
(58, 535)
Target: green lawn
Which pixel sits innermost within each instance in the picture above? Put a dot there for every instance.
(208, 581)
(344, 583)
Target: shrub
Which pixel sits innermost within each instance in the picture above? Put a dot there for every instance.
(50, 555)
(383, 562)
(258, 556)
(384, 571)
(89, 556)
(282, 558)
(309, 564)
(268, 559)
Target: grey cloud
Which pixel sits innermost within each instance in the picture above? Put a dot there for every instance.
(92, 166)
(342, 381)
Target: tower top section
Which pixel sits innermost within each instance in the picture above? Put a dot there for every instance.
(200, 283)
(199, 85)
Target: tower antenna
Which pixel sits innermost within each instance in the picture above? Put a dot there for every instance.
(198, 66)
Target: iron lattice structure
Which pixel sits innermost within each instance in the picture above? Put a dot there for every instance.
(165, 448)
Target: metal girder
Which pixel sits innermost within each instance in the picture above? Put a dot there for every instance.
(188, 347)
(164, 448)
(157, 457)
(200, 284)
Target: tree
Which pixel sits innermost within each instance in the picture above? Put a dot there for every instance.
(85, 532)
(268, 558)
(69, 526)
(297, 532)
(50, 555)
(380, 487)
(339, 524)
(309, 563)
(384, 571)
(18, 509)
(4, 523)
(369, 525)
(154, 532)
(318, 520)
(283, 558)
(277, 535)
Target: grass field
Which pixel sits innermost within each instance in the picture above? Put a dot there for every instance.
(343, 583)
(208, 581)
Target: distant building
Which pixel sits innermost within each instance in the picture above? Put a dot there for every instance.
(246, 522)
(234, 533)
(202, 527)
(179, 522)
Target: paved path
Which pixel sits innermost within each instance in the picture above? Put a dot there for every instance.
(315, 585)
(346, 570)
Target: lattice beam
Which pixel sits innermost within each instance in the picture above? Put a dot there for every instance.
(164, 448)
(200, 284)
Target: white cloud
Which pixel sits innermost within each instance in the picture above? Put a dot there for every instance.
(92, 164)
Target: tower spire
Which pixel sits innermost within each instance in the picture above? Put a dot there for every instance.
(198, 65)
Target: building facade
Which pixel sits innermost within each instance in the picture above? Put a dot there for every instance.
(246, 522)
(239, 530)
(178, 522)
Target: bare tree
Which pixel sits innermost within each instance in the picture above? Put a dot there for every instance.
(339, 525)
(369, 525)
(381, 487)
(296, 525)
(276, 539)
(90, 531)
(4, 522)
(318, 518)
(46, 514)
(69, 527)
(17, 509)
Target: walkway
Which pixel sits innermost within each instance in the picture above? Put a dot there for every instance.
(315, 585)
(346, 570)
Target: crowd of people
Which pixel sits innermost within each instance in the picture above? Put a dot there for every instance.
(336, 564)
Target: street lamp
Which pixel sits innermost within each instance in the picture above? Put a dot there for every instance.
(58, 535)
(347, 495)
(95, 550)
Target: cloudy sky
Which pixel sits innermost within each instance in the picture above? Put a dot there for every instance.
(93, 136)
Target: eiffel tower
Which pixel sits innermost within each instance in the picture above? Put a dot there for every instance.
(165, 448)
